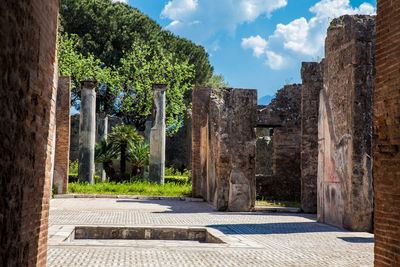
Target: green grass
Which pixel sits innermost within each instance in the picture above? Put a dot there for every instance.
(132, 188)
(273, 203)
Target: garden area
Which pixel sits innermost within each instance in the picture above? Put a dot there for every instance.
(124, 156)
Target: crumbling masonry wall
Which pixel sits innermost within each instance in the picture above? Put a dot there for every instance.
(345, 125)
(312, 75)
(28, 86)
(223, 147)
(387, 135)
(61, 167)
(284, 112)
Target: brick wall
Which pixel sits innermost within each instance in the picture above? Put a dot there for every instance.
(345, 193)
(223, 147)
(387, 135)
(63, 122)
(284, 183)
(312, 75)
(28, 32)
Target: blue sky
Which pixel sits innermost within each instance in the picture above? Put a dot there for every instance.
(256, 44)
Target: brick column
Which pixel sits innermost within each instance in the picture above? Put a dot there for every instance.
(87, 132)
(312, 74)
(345, 125)
(157, 135)
(387, 135)
(63, 121)
(28, 84)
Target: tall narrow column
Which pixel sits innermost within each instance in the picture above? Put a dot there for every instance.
(62, 134)
(157, 135)
(87, 132)
(102, 130)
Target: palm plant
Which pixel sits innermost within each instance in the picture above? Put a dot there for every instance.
(105, 153)
(120, 137)
(138, 155)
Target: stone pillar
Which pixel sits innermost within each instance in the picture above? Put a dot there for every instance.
(157, 135)
(61, 167)
(200, 109)
(101, 133)
(28, 88)
(312, 74)
(386, 164)
(345, 125)
(223, 147)
(147, 131)
(87, 132)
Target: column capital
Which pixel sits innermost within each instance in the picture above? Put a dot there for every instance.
(89, 84)
(159, 87)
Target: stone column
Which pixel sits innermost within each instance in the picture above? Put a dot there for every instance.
(157, 135)
(312, 74)
(87, 132)
(147, 131)
(345, 192)
(61, 167)
(102, 130)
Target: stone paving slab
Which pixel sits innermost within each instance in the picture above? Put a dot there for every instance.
(264, 239)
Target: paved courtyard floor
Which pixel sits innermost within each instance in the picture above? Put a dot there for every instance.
(256, 239)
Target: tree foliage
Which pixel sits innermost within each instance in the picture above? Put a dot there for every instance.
(140, 68)
(107, 29)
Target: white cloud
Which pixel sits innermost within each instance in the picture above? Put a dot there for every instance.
(301, 38)
(179, 9)
(257, 43)
(200, 20)
(275, 61)
(122, 1)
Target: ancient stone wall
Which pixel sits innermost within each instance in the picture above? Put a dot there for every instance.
(345, 125)
(28, 82)
(387, 135)
(223, 147)
(284, 183)
(312, 75)
(61, 166)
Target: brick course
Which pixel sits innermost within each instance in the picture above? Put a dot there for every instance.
(28, 32)
(386, 167)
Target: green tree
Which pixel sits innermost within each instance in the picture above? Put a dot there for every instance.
(106, 29)
(80, 68)
(217, 81)
(138, 155)
(105, 153)
(140, 68)
(120, 137)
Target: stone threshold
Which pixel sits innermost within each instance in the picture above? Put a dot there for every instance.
(189, 199)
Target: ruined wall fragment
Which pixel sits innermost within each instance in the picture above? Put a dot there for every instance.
(312, 74)
(387, 135)
(61, 167)
(284, 111)
(28, 86)
(345, 125)
(223, 141)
